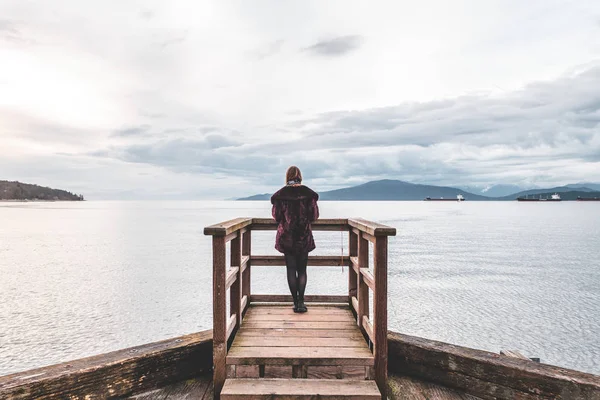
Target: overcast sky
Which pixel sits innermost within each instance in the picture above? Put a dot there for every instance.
(214, 99)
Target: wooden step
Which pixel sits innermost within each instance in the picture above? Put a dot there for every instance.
(288, 389)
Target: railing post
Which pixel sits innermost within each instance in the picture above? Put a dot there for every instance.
(380, 347)
(352, 276)
(246, 281)
(235, 292)
(363, 289)
(219, 317)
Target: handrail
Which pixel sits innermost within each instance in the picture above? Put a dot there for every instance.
(361, 279)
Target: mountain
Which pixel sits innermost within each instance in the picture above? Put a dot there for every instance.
(387, 189)
(570, 195)
(24, 191)
(592, 186)
(559, 189)
(493, 190)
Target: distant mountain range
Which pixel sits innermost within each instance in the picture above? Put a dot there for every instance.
(397, 190)
(24, 191)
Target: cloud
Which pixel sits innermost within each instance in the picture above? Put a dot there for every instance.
(132, 131)
(335, 47)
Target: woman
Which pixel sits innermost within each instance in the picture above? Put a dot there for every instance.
(294, 208)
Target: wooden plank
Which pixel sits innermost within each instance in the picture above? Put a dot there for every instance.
(354, 263)
(299, 356)
(406, 388)
(313, 261)
(299, 325)
(246, 270)
(227, 227)
(231, 236)
(514, 354)
(298, 333)
(185, 390)
(352, 252)
(244, 305)
(363, 289)
(368, 278)
(270, 388)
(283, 298)
(299, 317)
(293, 341)
(380, 314)
(281, 307)
(485, 374)
(364, 235)
(355, 303)
(231, 323)
(287, 310)
(219, 317)
(235, 292)
(123, 372)
(368, 327)
(231, 276)
(371, 228)
(269, 224)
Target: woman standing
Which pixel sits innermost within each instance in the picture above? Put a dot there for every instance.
(295, 208)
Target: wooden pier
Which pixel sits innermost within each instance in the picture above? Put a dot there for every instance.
(339, 331)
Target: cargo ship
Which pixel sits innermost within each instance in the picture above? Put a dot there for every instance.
(459, 197)
(579, 198)
(554, 197)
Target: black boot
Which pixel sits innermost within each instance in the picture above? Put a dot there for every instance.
(296, 305)
(301, 306)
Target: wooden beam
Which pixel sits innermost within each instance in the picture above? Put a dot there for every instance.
(231, 276)
(219, 310)
(246, 267)
(227, 227)
(118, 374)
(484, 374)
(231, 236)
(245, 260)
(380, 314)
(269, 224)
(365, 235)
(372, 228)
(368, 278)
(244, 303)
(514, 354)
(352, 275)
(363, 289)
(368, 327)
(235, 292)
(231, 325)
(286, 298)
(313, 261)
(354, 303)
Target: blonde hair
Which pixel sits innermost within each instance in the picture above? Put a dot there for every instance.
(292, 174)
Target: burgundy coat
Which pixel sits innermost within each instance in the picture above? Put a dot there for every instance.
(294, 208)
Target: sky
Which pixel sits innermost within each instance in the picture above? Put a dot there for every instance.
(215, 99)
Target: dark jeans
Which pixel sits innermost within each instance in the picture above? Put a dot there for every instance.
(296, 274)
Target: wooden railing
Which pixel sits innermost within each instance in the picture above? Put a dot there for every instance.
(236, 279)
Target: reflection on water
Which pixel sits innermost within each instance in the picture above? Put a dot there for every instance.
(78, 279)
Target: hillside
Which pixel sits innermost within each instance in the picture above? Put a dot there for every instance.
(386, 190)
(559, 189)
(23, 191)
(571, 195)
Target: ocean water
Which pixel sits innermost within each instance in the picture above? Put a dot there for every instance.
(78, 279)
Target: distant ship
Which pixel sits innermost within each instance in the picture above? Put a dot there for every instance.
(579, 198)
(459, 197)
(554, 197)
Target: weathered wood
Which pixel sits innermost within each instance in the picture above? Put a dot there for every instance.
(115, 374)
(352, 277)
(231, 236)
(368, 327)
(262, 224)
(299, 371)
(294, 341)
(355, 304)
(246, 267)
(363, 290)
(227, 227)
(266, 389)
(283, 298)
(405, 388)
(371, 228)
(514, 354)
(380, 315)
(300, 325)
(235, 292)
(185, 390)
(487, 375)
(244, 305)
(231, 325)
(297, 333)
(219, 317)
(313, 261)
(284, 310)
(300, 356)
(368, 278)
(300, 317)
(231, 276)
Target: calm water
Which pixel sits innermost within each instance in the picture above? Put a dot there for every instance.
(77, 279)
